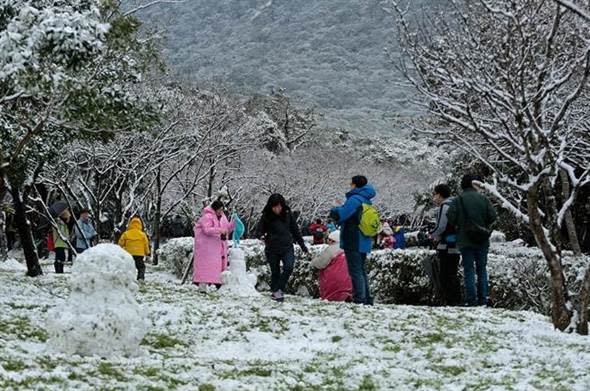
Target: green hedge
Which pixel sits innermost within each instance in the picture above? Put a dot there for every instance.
(518, 275)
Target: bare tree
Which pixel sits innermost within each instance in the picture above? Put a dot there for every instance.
(509, 80)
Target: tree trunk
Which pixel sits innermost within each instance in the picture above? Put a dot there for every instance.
(582, 326)
(560, 315)
(25, 234)
(211, 181)
(570, 225)
(157, 218)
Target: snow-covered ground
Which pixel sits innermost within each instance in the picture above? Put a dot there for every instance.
(208, 341)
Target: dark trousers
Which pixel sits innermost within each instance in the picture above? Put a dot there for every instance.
(360, 282)
(140, 266)
(475, 262)
(449, 279)
(60, 259)
(279, 280)
(10, 239)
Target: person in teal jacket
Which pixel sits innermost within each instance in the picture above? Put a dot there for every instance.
(356, 246)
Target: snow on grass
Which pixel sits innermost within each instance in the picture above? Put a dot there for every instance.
(199, 341)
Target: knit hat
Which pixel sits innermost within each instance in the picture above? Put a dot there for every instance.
(334, 236)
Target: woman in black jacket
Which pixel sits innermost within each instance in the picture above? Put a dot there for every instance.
(279, 229)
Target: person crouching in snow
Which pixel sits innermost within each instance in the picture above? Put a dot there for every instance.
(135, 241)
(210, 254)
(335, 283)
(386, 239)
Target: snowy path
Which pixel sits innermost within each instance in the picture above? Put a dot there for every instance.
(209, 342)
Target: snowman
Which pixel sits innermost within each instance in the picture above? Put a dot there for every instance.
(101, 316)
(236, 280)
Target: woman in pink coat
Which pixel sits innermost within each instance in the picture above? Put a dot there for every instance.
(335, 283)
(210, 252)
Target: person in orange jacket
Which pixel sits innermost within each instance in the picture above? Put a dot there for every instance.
(135, 241)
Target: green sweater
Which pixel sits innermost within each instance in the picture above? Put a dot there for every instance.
(480, 211)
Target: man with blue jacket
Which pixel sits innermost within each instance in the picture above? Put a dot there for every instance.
(356, 246)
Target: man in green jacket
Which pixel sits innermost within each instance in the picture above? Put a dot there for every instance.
(473, 214)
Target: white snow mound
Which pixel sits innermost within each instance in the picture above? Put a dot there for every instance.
(235, 279)
(101, 316)
(12, 264)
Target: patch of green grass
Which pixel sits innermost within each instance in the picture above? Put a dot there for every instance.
(47, 363)
(161, 341)
(147, 372)
(206, 387)
(21, 328)
(25, 384)
(257, 371)
(336, 338)
(14, 365)
(391, 347)
(108, 370)
(429, 339)
(75, 376)
(55, 380)
(367, 384)
(451, 370)
(429, 384)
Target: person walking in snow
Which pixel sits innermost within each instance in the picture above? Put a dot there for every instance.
(61, 234)
(445, 240)
(278, 227)
(472, 214)
(335, 283)
(135, 241)
(210, 252)
(84, 232)
(355, 244)
(5, 209)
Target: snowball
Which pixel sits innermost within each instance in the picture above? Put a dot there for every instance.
(235, 279)
(101, 316)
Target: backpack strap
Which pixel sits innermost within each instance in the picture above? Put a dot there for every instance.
(463, 208)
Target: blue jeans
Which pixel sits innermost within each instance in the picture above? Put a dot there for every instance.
(279, 280)
(475, 261)
(360, 282)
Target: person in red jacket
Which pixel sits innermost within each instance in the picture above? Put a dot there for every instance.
(335, 283)
(319, 231)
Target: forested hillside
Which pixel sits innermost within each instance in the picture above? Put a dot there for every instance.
(325, 53)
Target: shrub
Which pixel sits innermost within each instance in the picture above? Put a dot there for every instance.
(518, 275)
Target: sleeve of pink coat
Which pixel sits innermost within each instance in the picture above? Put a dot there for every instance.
(209, 227)
(228, 225)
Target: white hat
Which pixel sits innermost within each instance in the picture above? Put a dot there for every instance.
(334, 236)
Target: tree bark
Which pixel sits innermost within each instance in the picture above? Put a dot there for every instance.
(560, 315)
(25, 234)
(582, 326)
(570, 225)
(157, 217)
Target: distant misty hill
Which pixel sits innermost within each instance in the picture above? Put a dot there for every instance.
(325, 53)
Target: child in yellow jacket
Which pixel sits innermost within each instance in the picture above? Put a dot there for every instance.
(135, 241)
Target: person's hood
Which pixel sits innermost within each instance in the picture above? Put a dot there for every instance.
(136, 223)
(209, 211)
(335, 236)
(367, 192)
